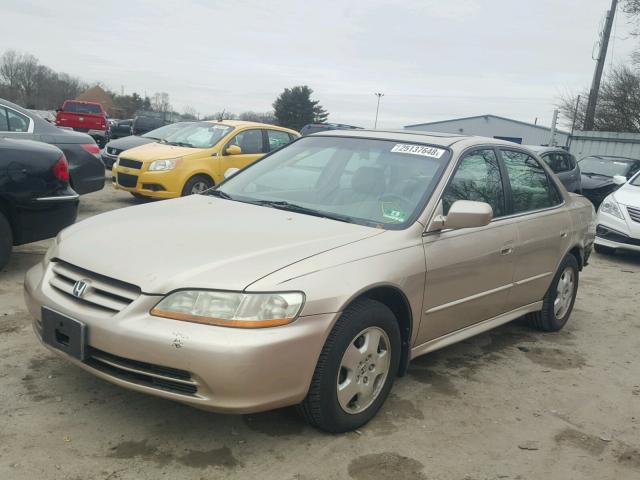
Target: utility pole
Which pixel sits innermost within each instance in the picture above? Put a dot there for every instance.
(379, 95)
(554, 122)
(597, 74)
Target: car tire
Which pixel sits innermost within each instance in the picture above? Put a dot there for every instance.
(375, 368)
(560, 297)
(197, 184)
(6, 241)
(604, 250)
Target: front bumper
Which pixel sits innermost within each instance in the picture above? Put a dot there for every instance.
(230, 370)
(108, 160)
(619, 233)
(162, 184)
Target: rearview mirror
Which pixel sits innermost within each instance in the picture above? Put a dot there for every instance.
(233, 150)
(468, 214)
(231, 172)
(619, 179)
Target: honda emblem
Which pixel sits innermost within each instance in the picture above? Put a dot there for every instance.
(80, 288)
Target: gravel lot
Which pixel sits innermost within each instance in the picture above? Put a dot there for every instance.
(509, 404)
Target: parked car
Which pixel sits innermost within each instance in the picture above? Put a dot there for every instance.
(116, 147)
(36, 201)
(85, 167)
(619, 219)
(143, 124)
(598, 173)
(87, 117)
(320, 290)
(323, 127)
(196, 157)
(120, 129)
(563, 164)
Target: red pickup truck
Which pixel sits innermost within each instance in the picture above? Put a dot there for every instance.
(88, 117)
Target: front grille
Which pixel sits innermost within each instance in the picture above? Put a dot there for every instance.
(126, 180)
(113, 151)
(634, 213)
(128, 163)
(103, 293)
(143, 373)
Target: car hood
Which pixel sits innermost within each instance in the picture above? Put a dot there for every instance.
(628, 195)
(596, 181)
(131, 141)
(200, 242)
(160, 151)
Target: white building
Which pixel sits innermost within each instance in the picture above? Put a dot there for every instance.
(494, 126)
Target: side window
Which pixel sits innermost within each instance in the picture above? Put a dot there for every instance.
(531, 189)
(477, 178)
(4, 124)
(249, 141)
(17, 122)
(558, 162)
(277, 139)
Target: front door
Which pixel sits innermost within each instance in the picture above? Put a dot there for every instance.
(469, 271)
(252, 147)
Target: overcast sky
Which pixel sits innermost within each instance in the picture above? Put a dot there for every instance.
(433, 59)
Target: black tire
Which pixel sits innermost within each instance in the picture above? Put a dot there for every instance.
(6, 241)
(196, 180)
(321, 407)
(546, 319)
(604, 250)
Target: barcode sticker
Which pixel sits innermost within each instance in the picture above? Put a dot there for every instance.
(418, 150)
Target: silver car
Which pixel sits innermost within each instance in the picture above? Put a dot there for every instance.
(563, 164)
(315, 275)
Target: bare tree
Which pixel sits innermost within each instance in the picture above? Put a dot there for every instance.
(618, 108)
(10, 69)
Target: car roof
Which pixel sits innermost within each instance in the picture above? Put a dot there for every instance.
(544, 149)
(433, 138)
(243, 123)
(614, 157)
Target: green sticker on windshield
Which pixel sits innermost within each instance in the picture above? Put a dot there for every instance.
(393, 213)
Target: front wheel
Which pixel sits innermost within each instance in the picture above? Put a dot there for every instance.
(558, 301)
(197, 184)
(356, 368)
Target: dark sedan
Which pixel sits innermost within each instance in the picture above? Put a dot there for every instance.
(120, 129)
(36, 201)
(82, 153)
(116, 147)
(601, 175)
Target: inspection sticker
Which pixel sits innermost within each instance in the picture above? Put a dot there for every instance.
(418, 150)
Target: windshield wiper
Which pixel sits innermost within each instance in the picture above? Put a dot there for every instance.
(219, 194)
(292, 207)
(180, 144)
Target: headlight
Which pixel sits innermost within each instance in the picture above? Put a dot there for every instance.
(52, 251)
(231, 309)
(610, 206)
(158, 165)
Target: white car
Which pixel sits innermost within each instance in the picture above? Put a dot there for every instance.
(619, 219)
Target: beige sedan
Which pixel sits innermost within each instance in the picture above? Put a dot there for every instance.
(315, 275)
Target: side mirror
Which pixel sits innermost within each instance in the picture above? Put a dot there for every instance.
(233, 150)
(619, 179)
(231, 172)
(468, 214)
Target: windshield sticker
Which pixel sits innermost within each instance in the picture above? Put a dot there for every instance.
(393, 213)
(432, 152)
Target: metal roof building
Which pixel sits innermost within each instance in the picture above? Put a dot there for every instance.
(494, 126)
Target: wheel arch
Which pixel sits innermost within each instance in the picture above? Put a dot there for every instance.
(198, 174)
(395, 299)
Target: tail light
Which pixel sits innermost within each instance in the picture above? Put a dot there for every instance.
(92, 148)
(61, 169)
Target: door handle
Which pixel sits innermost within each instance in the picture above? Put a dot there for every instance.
(506, 251)
(563, 234)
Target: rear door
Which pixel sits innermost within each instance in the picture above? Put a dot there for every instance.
(542, 226)
(14, 124)
(469, 271)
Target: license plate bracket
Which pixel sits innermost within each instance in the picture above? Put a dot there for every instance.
(64, 333)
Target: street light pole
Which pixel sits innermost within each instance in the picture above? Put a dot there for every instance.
(379, 95)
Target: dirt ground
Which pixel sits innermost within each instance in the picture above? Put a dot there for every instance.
(510, 404)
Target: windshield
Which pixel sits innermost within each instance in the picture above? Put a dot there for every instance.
(372, 182)
(636, 180)
(164, 132)
(199, 135)
(607, 167)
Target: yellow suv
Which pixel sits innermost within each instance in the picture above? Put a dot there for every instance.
(196, 157)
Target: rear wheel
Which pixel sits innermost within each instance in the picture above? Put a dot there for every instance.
(6, 241)
(559, 299)
(356, 368)
(604, 250)
(197, 184)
